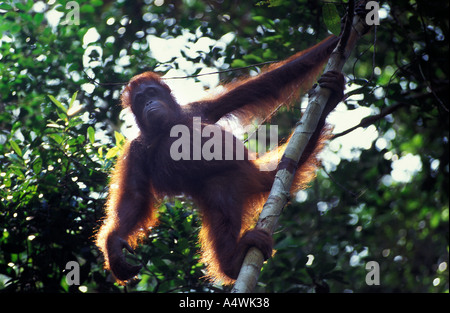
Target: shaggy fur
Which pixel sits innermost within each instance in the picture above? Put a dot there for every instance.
(229, 193)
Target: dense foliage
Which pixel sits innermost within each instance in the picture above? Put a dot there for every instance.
(60, 135)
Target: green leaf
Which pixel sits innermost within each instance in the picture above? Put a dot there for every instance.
(37, 166)
(18, 173)
(100, 152)
(16, 148)
(238, 63)
(57, 138)
(331, 18)
(15, 28)
(264, 21)
(91, 134)
(75, 122)
(112, 152)
(120, 139)
(72, 100)
(4, 6)
(38, 18)
(86, 8)
(251, 58)
(58, 104)
(97, 3)
(275, 3)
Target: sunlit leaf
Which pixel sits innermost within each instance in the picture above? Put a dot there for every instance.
(112, 152)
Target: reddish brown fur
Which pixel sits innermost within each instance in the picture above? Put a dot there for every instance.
(230, 193)
(256, 97)
(135, 81)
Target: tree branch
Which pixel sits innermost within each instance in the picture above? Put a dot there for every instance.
(279, 195)
(369, 120)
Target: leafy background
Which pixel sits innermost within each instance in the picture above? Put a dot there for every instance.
(60, 133)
